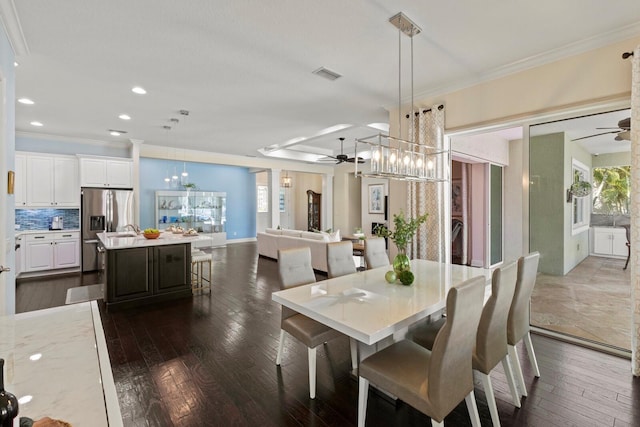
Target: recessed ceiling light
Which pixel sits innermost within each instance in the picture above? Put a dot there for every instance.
(124, 117)
(26, 101)
(15, 64)
(116, 132)
(36, 124)
(139, 90)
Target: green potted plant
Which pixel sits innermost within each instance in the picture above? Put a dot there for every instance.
(401, 236)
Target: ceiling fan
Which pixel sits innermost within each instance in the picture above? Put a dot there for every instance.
(341, 158)
(623, 131)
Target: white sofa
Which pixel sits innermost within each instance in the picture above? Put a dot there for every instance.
(273, 239)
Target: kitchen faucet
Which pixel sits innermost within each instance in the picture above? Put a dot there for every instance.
(133, 227)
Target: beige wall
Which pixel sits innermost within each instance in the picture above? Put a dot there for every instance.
(611, 159)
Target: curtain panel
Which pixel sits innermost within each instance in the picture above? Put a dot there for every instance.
(428, 197)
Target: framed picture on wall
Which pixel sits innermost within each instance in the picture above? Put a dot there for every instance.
(456, 197)
(376, 198)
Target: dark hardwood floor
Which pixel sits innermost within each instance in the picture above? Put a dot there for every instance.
(210, 361)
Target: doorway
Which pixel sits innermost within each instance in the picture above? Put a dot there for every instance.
(582, 288)
(486, 169)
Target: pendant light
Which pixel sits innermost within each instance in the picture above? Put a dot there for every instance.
(394, 157)
(167, 128)
(184, 177)
(286, 181)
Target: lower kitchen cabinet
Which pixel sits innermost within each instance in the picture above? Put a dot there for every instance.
(51, 250)
(609, 241)
(137, 276)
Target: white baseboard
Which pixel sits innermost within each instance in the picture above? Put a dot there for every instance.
(248, 239)
(476, 263)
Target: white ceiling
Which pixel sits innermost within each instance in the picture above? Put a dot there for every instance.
(243, 68)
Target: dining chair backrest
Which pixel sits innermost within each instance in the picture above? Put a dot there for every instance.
(450, 371)
(375, 252)
(518, 322)
(294, 269)
(340, 259)
(491, 338)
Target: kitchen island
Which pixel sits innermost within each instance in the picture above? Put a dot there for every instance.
(141, 271)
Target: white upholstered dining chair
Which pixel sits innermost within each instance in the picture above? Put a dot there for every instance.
(340, 259)
(491, 336)
(518, 323)
(294, 268)
(375, 252)
(339, 263)
(436, 381)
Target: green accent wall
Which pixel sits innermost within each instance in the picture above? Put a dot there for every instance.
(550, 216)
(547, 200)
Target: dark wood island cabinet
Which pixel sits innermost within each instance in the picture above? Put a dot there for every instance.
(140, 272)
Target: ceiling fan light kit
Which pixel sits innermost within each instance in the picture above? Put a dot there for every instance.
(397, 158)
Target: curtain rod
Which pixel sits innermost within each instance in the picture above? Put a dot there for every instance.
(440, 108)
(625, 55)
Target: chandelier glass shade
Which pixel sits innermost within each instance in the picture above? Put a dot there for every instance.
(404, 160)
(286, 181)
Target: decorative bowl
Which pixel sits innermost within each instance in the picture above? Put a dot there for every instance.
(151, 235)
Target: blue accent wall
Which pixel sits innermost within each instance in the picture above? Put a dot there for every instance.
(238, 182)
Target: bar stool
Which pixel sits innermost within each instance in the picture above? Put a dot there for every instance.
(200, 263)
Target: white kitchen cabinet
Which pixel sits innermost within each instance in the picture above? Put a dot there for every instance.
(105, 172)
(66, 183)
(609, 241)
(20, 182)
(49, 251)
(49, 180)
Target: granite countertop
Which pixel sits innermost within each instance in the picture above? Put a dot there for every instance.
(57, 365)
(124, 240)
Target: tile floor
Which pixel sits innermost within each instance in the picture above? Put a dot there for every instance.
(591, 302)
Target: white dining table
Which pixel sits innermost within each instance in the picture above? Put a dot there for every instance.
(365, 307)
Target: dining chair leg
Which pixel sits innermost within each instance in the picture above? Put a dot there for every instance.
(470, 400)
(434, 423)
(280, 346)
(353, 344)
(363, 394)
(491, 399)
(312, 373)
(517, 369)
(508, 371)
(532, 354)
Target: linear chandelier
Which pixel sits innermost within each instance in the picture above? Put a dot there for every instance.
(394, 157)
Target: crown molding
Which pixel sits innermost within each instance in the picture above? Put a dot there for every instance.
(585, 45)
(63, 138)
(13, 28)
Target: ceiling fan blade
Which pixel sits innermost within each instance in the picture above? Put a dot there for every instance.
(623, 136)
(609, 128)
(353, 160)
(625, 123)
(597, 134)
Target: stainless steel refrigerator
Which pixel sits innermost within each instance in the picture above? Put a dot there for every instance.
(102, 210)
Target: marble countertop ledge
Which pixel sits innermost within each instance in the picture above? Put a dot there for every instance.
(125, 240)
(57, 365)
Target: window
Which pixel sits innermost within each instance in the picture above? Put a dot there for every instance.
(611, 190)
(263, 198)
(581, 212)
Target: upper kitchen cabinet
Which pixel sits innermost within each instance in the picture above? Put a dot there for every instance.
(47, 180)
(105, 172)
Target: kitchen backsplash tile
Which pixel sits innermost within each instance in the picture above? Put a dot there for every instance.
(40, 219)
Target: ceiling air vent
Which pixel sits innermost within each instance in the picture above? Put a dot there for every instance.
(326, 73)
